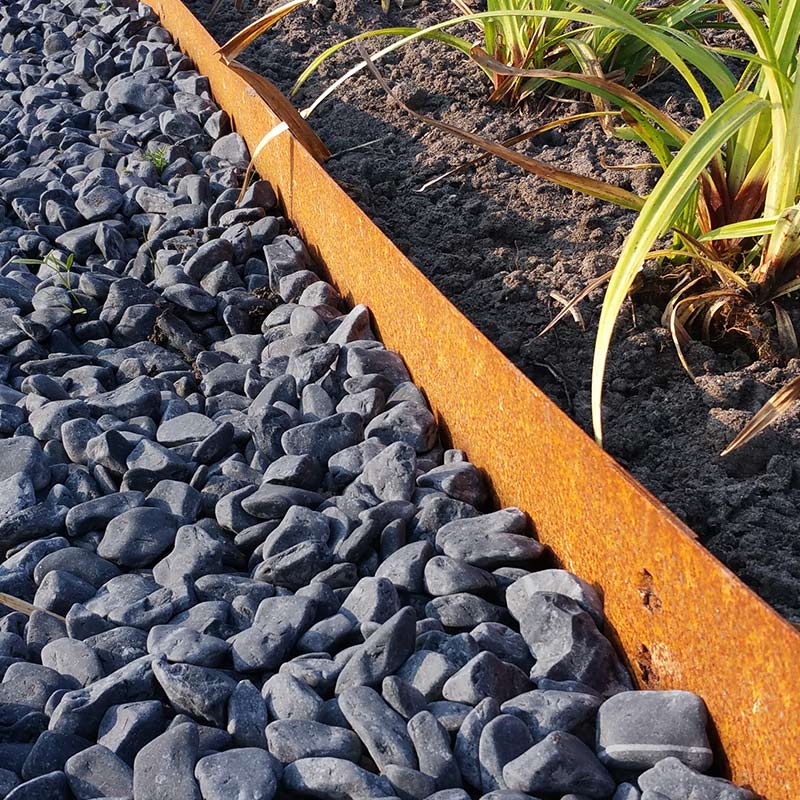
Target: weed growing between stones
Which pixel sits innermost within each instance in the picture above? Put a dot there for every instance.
(158, 157)
(62, 269)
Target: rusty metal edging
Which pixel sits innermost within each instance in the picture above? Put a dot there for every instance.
(683, 620)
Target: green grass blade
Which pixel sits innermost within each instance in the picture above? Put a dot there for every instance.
(661, 41)
(657, 215)
(672, 14)
(786, 31)
(601, 14)
(408, 34)
(742, 151)
(608, 90)
(704, 60)
(781, 99)
(741, 230)
(785, 173)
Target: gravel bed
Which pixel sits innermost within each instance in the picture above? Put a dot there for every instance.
(256, 573)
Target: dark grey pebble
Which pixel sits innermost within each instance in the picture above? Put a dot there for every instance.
(635, 730)
(198, 691)
(382, 653)
(444, 575)
(137, 538)
(463, 610)
(292, 739)
(672, 779)
(548, 711)
(381, 729)
(559, 764)
(402, 697)
(554, 580)
(334, 779)
(241, 773)
(125, 729)
(432, 744)
(97, 772)
(185, 645)
(247, 716)
(164, 768)
(486, 676)
(490, 540)
(289, 698)
(503, 739)
(567, 645)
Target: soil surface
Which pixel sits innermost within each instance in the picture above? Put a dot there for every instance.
(498, 242)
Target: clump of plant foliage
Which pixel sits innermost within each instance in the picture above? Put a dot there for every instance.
(728, 189)
(554, 34)
(158, 157)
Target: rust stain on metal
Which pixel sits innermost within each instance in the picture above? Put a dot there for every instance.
(683, 620)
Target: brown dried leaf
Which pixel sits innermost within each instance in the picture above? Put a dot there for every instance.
(787, 336)
(520, 137)
(585, 292)
(284, 109)
(777, 405)
(21, 605)
(573, 309)
(570, 180)
(248, 35)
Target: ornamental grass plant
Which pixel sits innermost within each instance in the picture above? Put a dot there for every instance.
(729, 187)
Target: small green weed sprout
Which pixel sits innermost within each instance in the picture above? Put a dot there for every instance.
(63, 272)
(157, 156)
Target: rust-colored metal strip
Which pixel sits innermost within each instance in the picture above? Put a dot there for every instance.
(683, 620)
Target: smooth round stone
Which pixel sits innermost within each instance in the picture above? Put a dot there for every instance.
(97, 772)
(410, 783)
(125, 729)
(382, 654)
(289, 698)
(243, 773)
(502, 740)
(184, 645)
(486, 676)
(336, 779)
(463, 610)
(636, 730)
(24, 454)
(518, 595)
(138, 538)
(381, 729)
(292, 739)
(101, 202)
(82, 563)
(164, 768)
(444, 575)
(672, 778)
(74, 658)
(247, 716)
(184, 429)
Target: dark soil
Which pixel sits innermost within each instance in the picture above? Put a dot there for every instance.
(498, 242)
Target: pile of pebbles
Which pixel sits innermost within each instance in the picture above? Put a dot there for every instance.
(254, 571)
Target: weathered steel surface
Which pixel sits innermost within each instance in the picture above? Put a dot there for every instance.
(683, 620)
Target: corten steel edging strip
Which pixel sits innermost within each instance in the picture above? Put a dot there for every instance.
(683, 620)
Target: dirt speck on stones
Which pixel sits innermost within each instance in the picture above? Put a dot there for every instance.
(498, 242)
